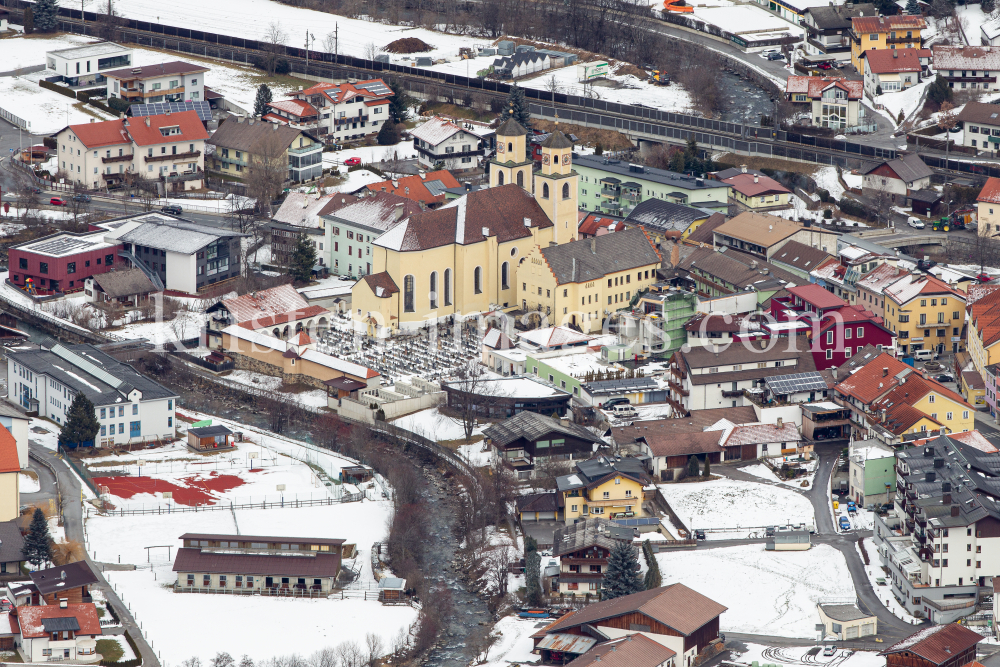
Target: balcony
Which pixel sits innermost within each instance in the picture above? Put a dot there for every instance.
(611, 205)
(610, 192)
(305, 150)
(129, 93)
(678, 388)
(914, 39)
(172, 157)
(976, 79)
(117, 158)
(633, 197)
(583, 575)
(737, 393)
(185, 176)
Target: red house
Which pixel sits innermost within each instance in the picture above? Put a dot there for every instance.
(62, 262)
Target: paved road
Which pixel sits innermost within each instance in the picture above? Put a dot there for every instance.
(72, 511)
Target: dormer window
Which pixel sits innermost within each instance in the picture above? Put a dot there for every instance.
(168, 131)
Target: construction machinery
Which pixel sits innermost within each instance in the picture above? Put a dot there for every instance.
(957, 220)
(659, 77)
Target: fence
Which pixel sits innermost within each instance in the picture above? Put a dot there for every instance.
(82, 471)
(265, 592)
(15, 120)
(265, 505)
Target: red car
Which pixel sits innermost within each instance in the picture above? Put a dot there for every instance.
(825, 66)
(352, 161)
(56, 201)
(984, 277)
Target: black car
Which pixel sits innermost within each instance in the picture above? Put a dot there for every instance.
(82, 198)
(699, 534)
(775, 56)
(172, 209)
(944, 377)
(612, 402)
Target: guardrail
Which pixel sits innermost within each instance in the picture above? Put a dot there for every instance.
(15, 120)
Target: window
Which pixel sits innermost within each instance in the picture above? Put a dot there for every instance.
(505, 275)
(930, 398)
(408, 294)
(477, 279)
(965, 414)
(22, 263)
(135, 408)
(565, 191)
(447, 287)
(433, 293)
(43, 267)
(829, 337)
(861, 332)
(847, 333)
(949, 416)
(545, 190)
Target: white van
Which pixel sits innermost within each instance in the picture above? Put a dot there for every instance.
(623, 411)
(923, 355)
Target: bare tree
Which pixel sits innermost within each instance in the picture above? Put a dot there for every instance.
(375, 648)
(273, 43)
(351, 654)
(370, 51)
(108, 22)
(947, 120)
(326, 657)
(267, 170)
(880, 203)
(552, 85)
(330, 42)
(478, 393)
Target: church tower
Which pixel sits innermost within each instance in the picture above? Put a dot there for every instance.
(511, 163)
(556, 186)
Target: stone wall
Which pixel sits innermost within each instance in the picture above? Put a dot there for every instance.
(247, 363)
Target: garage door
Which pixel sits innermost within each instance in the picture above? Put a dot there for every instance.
(852, 632)
(546, 515)
(867, 629)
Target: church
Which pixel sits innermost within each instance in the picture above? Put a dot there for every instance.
(462, 259)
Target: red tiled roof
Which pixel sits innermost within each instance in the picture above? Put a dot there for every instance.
(31, 618)
(885, 61)
(869, 382)
(106, 133)
(635, 650)
(984, 318)
(266, 308)
(297, 107)
(187, 122)
(937, 644)
(594, 221)
(381, 284)
(901, 417)
(813, 86)
(913, 388)
(752, 185)
(990, 192)
(816, 296)
(341, 92)
(8, 452)
(412, 187)
(871, 24)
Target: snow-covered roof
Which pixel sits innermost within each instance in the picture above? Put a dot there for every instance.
(267, 307)
(439, 129)
(756, 434)
(270, 342)
(554, 337)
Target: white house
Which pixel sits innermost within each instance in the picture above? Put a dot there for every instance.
(344, 111)
(982, 125)
(522, 64)
(16, 422)
(66, 632)
(893, 70)
(898, 177)
(445, 142)
(130, 407)
(84, 65)
(175, 81)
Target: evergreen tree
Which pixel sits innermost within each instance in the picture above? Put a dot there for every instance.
(677, 162)
(653, 578)
(303, 259)
(263, 99)
(708, 467)
(29, 21)
(912, 8)
(37, 542)
(389, 134)
(81, 424)
(622, 576)
(938, 91)
(532, 578)
(693, 467)
(517, 107)
(599, 149)
(988, 6)
(399, 103)
(46, 15)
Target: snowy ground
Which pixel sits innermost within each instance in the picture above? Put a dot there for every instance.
(403, 150)
(778, 591)
(475, 454)
(316, 398)
(826, 178)
(794, 656)
(735, 504)
(883, 591)
(515, 643)
(631, 91)
(762, 471)
(27, 483)
(431, 424)
(906, 100)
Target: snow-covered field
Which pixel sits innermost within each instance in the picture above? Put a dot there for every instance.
(515, 644)
(632, 90)
(826, 178)
(778, 591)
(762, 471)
(314, 397)
(730, 503)
(795, 656)
(430, 423)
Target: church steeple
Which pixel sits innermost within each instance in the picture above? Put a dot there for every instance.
(556, 185)
(510, 164)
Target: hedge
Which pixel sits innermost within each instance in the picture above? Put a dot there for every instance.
(103, 107)
(135, 651)
(135, 662)
(852, 207)
(119, 105)
(59, 89)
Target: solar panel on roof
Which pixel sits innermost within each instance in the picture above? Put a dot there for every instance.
(376, 87)
(796, 382)
(202, 107)
(62, 245)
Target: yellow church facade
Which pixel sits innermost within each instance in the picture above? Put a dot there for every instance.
(463, 258)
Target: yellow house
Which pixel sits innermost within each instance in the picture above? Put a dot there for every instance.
(757, 192)
(983, 331)
(463, 258)
(582, 283)
(946, 409)
(600, 489)
(988, 208)
(883, 32)
(925, 313)
(241, 145)
(899, 424)
(10, 495)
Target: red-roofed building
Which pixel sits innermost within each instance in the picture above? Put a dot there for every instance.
(50, 632)
(176, 81)
(834, 101)
(935, 646)
(893, 70)
(598, 224)
(9, 469)
(344, 111)
(279, 311)
(983, 336)
(427, 189)
(168, 147)
(870, 33)
(926, 314)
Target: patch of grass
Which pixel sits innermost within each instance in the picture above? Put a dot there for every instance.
(459, 112)
(89, 110)
(455, 444)
(30, 473)
(10, 656)
(101, 612)
(110, 649)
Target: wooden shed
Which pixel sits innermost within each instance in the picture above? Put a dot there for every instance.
(392, 590)
(210, 438)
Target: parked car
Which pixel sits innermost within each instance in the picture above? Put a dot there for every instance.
(352, 161)
(172, 209)
(35, 190)
(845, 523)
(769, 531)
(923, 355)
(57, 201)
(984, 277)
(916, 223)
(612, 402)
(825, 66)
(776, 56)
(623, 411)
(830, 650)
(82, 198)
(944, 377)
(851, 507)
(699, 534)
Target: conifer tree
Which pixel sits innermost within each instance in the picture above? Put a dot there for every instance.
(708, 467)
(622, 577)
(532, 578)
(653, 578)
(81, 426)
(263, 99)
(399, 103)
(388, 135)
(37, 549)
(517, 107)
(303, 259)
(913, 9)
(693, 467)
(46, 15)
(29, 21)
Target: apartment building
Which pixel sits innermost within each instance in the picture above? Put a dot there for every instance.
(87, 65)
(176, 81)
(344, 111)
(883, 32)
(968, 67)
(925, 313)
(240, 144)
(450, 144)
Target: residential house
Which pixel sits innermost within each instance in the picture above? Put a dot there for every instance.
(583, 549)
(828, 28)
(942, 405)
(598, 224)
(168, 147)
(983, 331)
(301, 214)
(129, 289)
(758, 193)
(174, 81)
(10, 468)
(758, 440)
(66, 632)
(715, 272)
(824, 420)
(351, 228)
(925, 313)
(988, 201)
(834, 101)
(258, 565)
(279, 311)
(720, 330)
(602, 487)
(444, 143)
(989, 32)
(990, 379)
(612, 186)
(344, 111)
(659, 320)
(427, 189)
(846, 621)
(840, 275)
(501, 354)
(941, 646)
(703, 378)
(86, 65)
(294, 360)
(240, 144)
(898, 177)
(893, 70)
(11, 548)
(871, 473)
(871, 287)
(973, 67)
(982, 126)
(45, 380)
(673, 616)
(662, 220)
(799, 258)
(633, 650)
(537, 507)
(71, 582)
(973, 388)
(877, 32)
(763, 235)
(584, 283)
(463, 257)
(527, 440)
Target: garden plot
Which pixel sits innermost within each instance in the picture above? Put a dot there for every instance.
(778, 591)
(736, 505)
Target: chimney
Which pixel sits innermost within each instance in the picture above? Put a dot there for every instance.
(423, 175)
(167, 113)
(675, 254)
(395, 183)
(946, 487)
(946, 499)
(62, 575)
(781, 423)
(147, 121)
(468, 186)
(938, 463)
(486, 231)
(63, 603)
(593, 246)
(753, 264)
(743, 167)
(527, 222)
(274, 127)
(928, 452)
(398, 212)
(91, 120)
(931, 476)
(885, 371)
(954, 510)
(755, 178)
(834, 372)
(574, 270)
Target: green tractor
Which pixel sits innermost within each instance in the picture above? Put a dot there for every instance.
(957, 220)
